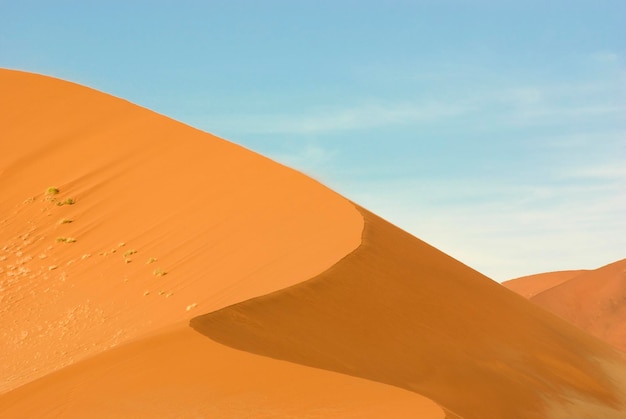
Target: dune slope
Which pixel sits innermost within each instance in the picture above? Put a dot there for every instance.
(180, 373)
(119, 228)
(400, 312)
(595, 301)
(116, 221)
(531, 285)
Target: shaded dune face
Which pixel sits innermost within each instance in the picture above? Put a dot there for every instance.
(165, 222)
(400, 312)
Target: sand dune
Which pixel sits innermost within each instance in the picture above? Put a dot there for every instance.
(180, 373)
(224, 224)
(593, 300)
(400, 312)
(531, 285)
(120, 228)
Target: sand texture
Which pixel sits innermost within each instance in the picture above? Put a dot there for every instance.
(148, 269)
(593, 300)
(399, 311)
(531, 285)
(179, 373)
(168, 222)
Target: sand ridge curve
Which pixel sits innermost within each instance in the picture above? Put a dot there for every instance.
(116, 221)
(177, 372)
(400, 312)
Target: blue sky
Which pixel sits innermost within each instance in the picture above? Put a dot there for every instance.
(494, 130)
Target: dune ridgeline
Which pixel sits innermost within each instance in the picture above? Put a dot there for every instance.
(149, 269)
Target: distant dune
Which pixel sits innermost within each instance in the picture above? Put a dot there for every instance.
(529, 286)
(148, 269)
(593, 300)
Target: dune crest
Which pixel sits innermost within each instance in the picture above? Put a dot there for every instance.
(531, 285)
(403, 313)
(116, 221)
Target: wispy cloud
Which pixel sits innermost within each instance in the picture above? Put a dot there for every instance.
(336, 118)
(311, 159)
(513, 106)
(612, 171)
(605, 57)
(559, 112)
(581, 140)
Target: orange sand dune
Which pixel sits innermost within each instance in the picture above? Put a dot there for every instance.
(531, 285)
(180, 373)
(154, 224)
(594, 300)
(401, 312)
(224, 224)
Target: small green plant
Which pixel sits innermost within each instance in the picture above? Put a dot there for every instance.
(66, 221)
(151, 260)
(66, 240)
(52, 190)
(68, 201)
(129, 253)
(159, 272)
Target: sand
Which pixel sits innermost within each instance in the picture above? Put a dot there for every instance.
(148, 269)
(531, 285)
(593, 300)
(169, 223)
(401, 312)
(180, 373)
